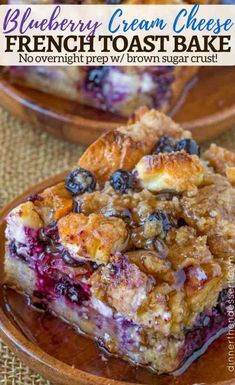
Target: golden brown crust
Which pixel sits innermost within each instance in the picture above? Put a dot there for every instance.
(164, 309)
(57, 202)
(178, 171)
(230, 174)
(24, 216)
(123, 147)
(139, 205)
(186, 248)
(93, 237)
(214, 202)
(203, 286)
(221, 240)
(110, 152)
(219, 158)
(125, 290)
(152, 262)
(28, 215)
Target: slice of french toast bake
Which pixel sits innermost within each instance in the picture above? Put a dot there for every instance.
(134, 248)
(115, 89)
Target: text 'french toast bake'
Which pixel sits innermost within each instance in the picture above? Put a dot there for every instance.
(136, 246)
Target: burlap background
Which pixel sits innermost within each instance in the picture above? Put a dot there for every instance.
(27, 157)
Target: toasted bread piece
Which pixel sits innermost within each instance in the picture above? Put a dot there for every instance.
(177, 171)
(24, 217)
(56, 203)
(152, 262)
(124, 284)
(186, 248)
(164, 309)
(221, 240)
(212, 203)
(230, 174)
(222, 161)
(125, 146)
(203, 284)
(92, 237)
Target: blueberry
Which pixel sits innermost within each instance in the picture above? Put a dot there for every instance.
(163, 78)
(52, 250)
(75, 293)
(165, 144)
(188, 145)
(49, 234)
(125, 214)
(34, 198)
(206, 321)
(13, 249)
(68, 260)
(42, 236)
(95, 77)
(203, 320)
(62, 287)
(78, 293)
(223, 296)
(122, 180)
(222, 302)
(80, 181)
(163, 218)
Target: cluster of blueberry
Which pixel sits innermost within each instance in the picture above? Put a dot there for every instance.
(42, 253)
(207, 324)
(95, 76)
(168, 144)
(76, 293)
(80, 180)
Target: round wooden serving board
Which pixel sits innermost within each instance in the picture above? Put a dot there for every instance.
(207, 107)
(52, 348)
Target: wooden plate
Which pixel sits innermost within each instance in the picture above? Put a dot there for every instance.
(53, 349)
(208, 109)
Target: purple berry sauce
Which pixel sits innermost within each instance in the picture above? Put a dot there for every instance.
(34, 198)
(58, 277)
(206, 325)
(46, 256)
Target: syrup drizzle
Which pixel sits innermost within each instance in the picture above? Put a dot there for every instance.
(61, 341)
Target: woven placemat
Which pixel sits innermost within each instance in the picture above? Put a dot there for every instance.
(28, 156)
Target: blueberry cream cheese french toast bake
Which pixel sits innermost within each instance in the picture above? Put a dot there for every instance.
(134, 247)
